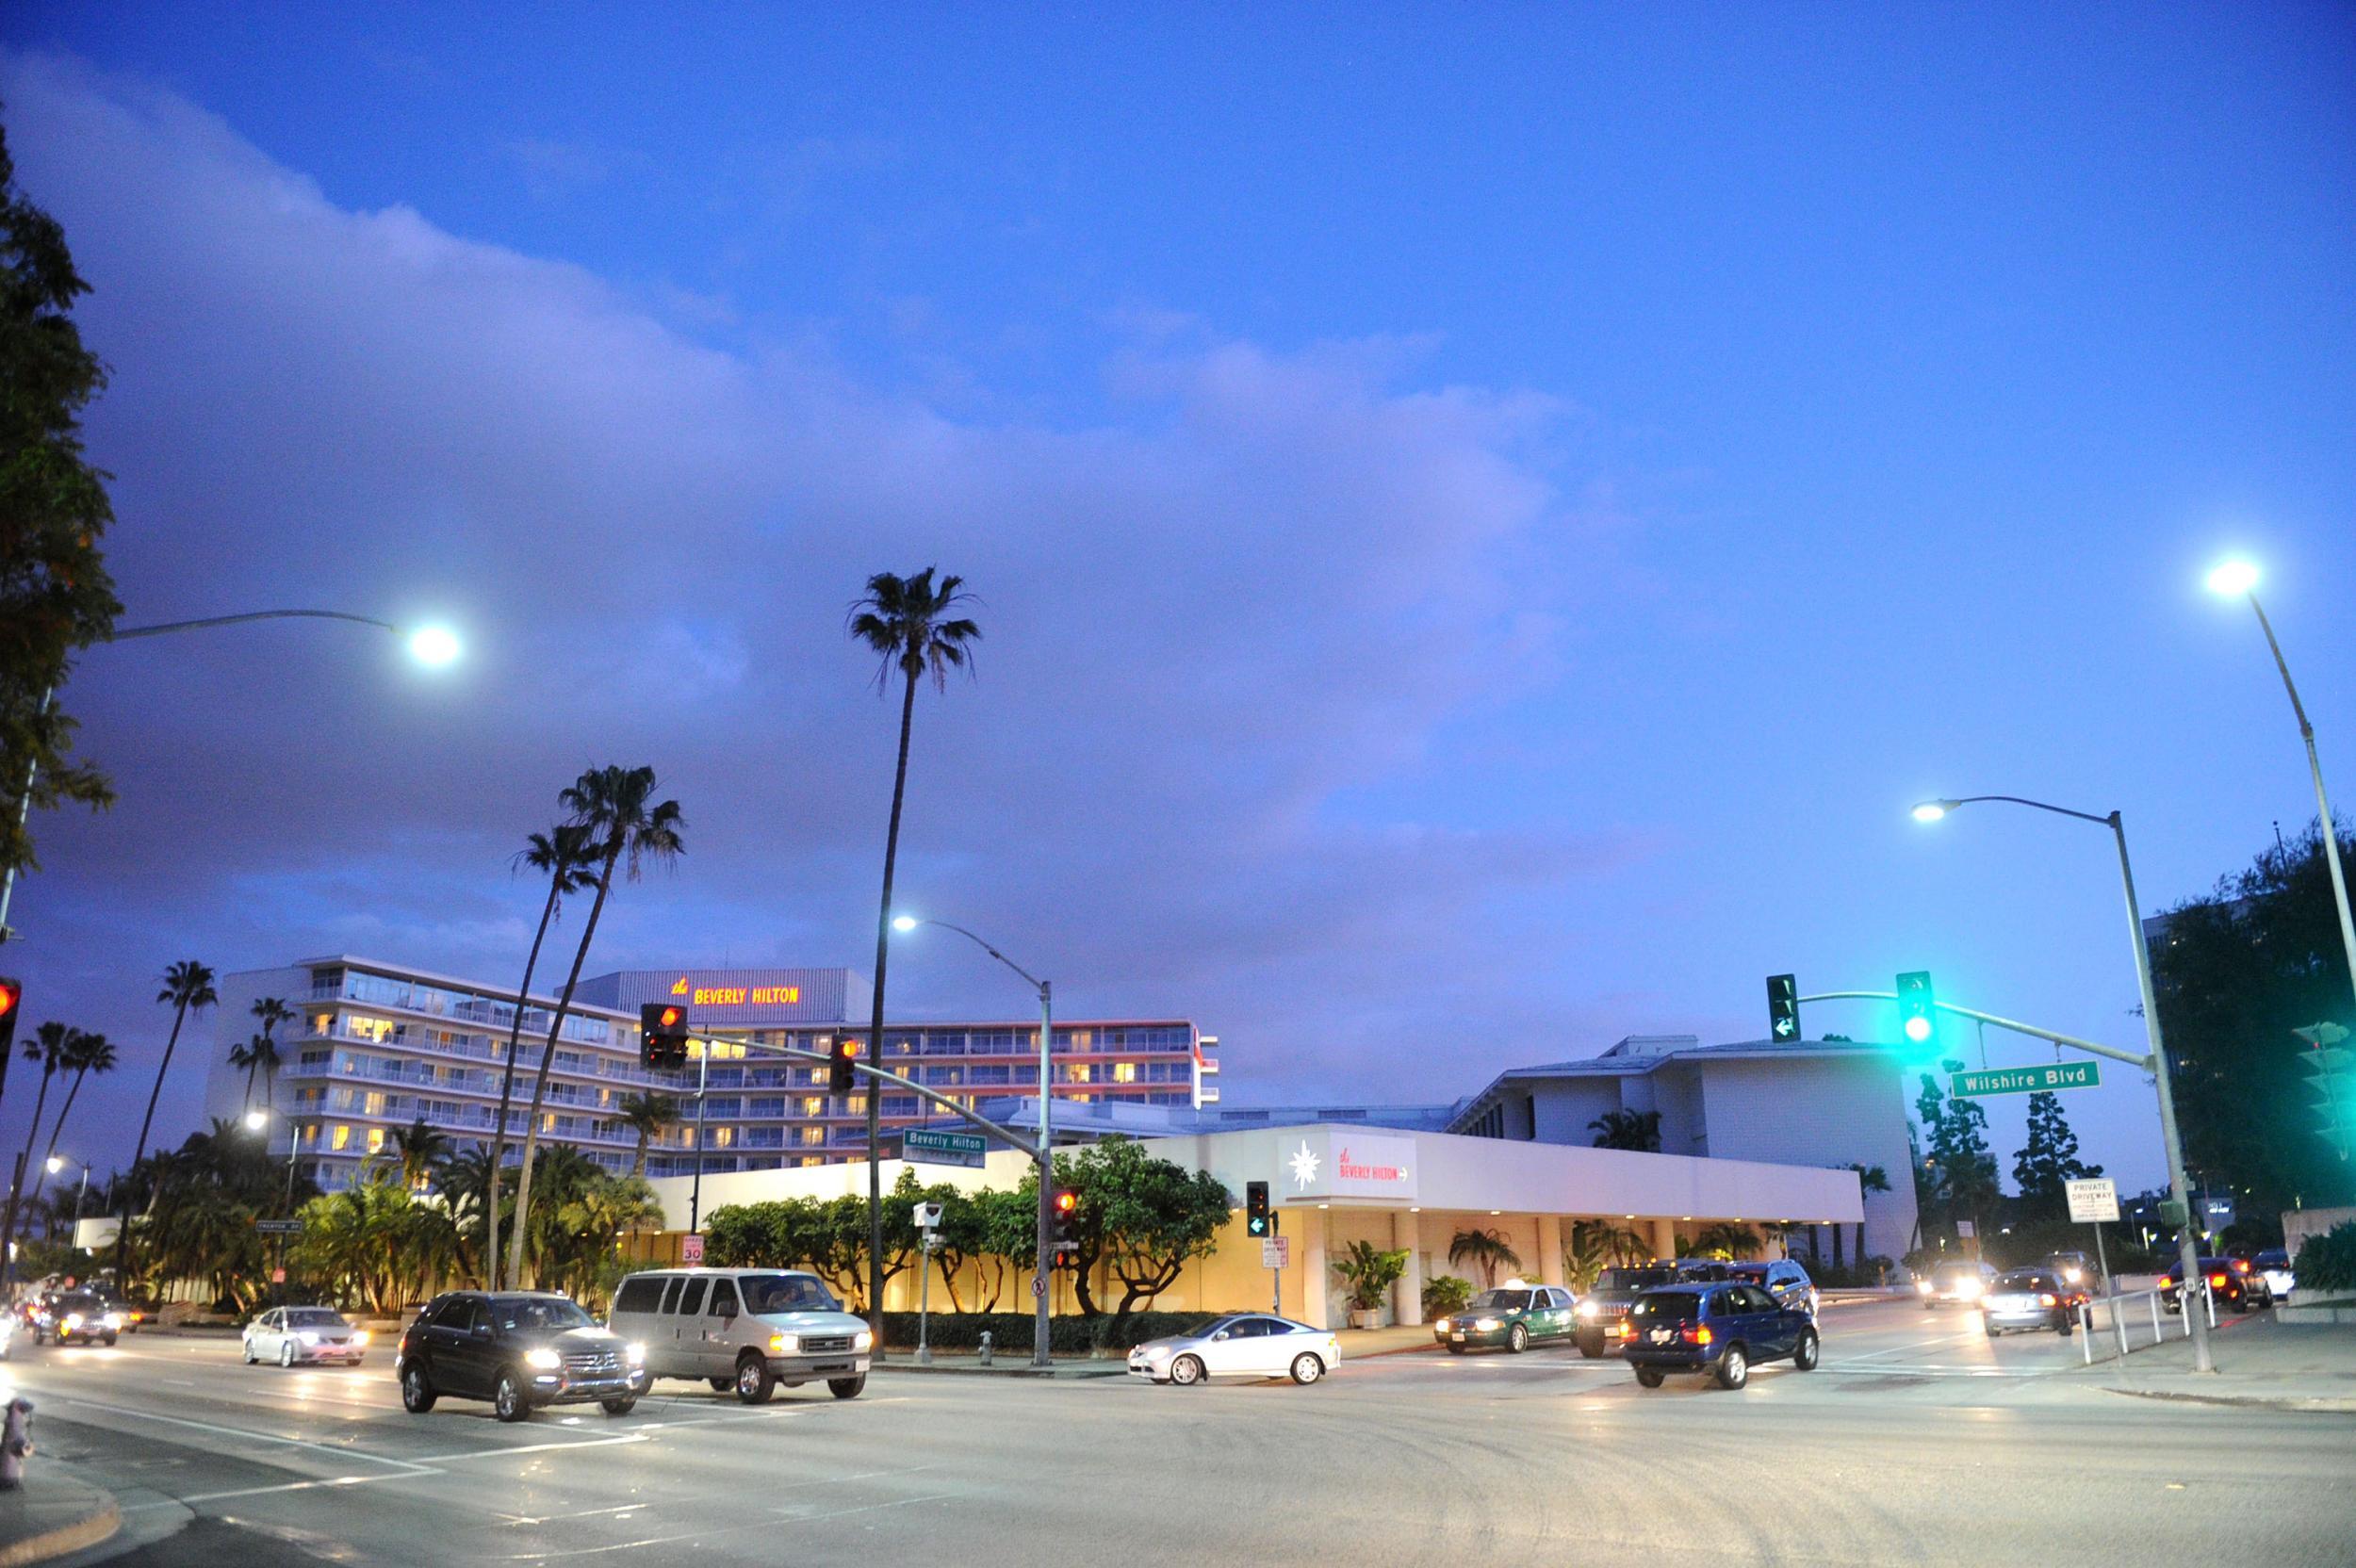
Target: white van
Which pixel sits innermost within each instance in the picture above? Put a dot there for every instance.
(749, 1329)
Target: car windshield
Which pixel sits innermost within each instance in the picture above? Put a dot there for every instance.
(76, 1304)
(1668, 1306)
(2277, 1259)
(314, 1317)
(1948, 1272)
(1632, 1279)
(786, 1293)
(536, 1313)
(2026, 1278)
(1501, 1300)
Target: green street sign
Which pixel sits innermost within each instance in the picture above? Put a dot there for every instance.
(965, 1149)
(2025, 1080)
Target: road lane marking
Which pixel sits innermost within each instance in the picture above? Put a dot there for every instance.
(333, 1450)
(733, 1529)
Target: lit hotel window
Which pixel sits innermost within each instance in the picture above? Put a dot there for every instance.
(1124, 1073)
(340, 1139)
(376, 1140)
(1079, 1072)
(816, 1105)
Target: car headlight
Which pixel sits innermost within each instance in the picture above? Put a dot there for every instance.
(543, 1360)
(1922, 1286)
(112, 1320)
(359, 1338)
(73, 1320)
(863, 1340)
(1968, 1289)
(784, 1344)
(1487, 1324)
(307, 1336)
(634, 1353)
(1588, 1309)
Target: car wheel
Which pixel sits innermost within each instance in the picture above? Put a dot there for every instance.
(1517, 1339)
(753, 1382)
(2062, 1328)
(110, 1340)
(1307, 1369)
(846, 1388)
(1807, 1352)
(721, 1385)
(507, 1399)
(416, 1390)
(1993, 1330)
(286, 1353)
(620, 1407)
(1928, 1305)
(248, 1353)
(1649, 1376)
(1590, 1349)
(1734, 1367)
(1187, 1371)
(1456, 1349)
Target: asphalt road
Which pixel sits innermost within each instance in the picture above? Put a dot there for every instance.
(1917, 1442)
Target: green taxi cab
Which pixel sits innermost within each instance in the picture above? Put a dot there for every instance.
(1515, 1315)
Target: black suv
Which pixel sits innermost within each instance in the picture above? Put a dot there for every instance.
(519, 1349)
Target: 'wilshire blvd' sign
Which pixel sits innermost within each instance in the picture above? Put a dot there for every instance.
(1319, 1164)
(2026, 1080)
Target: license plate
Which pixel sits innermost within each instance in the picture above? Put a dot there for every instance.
(1660, 1336)
(1458, 1338)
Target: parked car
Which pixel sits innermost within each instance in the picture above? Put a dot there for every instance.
(1243, 1345)
(2274, 1265)
(2075, 1268)
(1720, 1330)
(2032, 1298)
(1602, 1313)
(2236, 1283)
(294, 1336)
(519, 1349)
(74, 1317)
(1955, 1280)
(1782, 1279)
(1515, 1315)
(745, 1328)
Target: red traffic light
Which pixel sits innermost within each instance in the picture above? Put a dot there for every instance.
(1067, 1201)
(11, 993)
(672, 1016)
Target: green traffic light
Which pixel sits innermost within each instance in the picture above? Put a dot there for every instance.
(1918, 1029)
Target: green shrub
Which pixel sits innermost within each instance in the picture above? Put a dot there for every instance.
(1444, 1294)
(1010, 1332)
(2327, 1262)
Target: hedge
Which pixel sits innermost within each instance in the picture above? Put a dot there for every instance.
(2327, 1262)
(1010, 1332)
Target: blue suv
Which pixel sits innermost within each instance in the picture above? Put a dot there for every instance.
(1724, 1330)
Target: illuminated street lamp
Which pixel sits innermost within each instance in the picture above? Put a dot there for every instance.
(2239, 579)
(2181, 1190)
(256, 1119)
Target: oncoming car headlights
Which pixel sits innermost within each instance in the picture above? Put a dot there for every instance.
(863, 1340)
(543, 1360)
(1589, 1309)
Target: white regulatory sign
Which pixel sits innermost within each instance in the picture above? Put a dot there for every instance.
(691, 1249)
(2093, 1200)
(1276, 1252)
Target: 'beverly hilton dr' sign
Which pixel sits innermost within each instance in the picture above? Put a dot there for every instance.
(2026, 1080)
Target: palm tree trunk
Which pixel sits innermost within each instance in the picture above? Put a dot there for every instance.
(507, 1088)
(122, 1221)
(638, 1166)
(8, 1226)
(876, 1021)
(41, 1176)
(547, 1057)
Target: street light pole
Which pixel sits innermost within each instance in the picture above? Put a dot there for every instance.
(2170, 1142)
(1043, 1273)
(2239, 577)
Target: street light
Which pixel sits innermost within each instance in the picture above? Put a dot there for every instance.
(1933, 811)
(1039, 1357)
(256, 1119)
(431, 646)
(55, 1163)
(2239, 579)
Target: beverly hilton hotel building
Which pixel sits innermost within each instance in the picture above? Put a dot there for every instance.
(374, 1046)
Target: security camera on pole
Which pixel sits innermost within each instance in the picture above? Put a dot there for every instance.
(927, 1217)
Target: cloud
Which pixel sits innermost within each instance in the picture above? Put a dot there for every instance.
(1263, 580)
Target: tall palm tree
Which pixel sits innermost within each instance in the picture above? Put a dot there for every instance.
(420, 1152)
(1870, 1178)
(85, 1054)
(645, 1115)
(565, 857)
(50, 1046)
(270, 1011)
(254, 1054)
(907, 623)
(627, 826)
(187, 984)
(1484, 1249)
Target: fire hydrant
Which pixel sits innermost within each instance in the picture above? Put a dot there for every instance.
(985, 1347)
(16, 1443)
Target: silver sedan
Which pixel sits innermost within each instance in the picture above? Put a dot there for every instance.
(1244, 1345)
(294, 1336)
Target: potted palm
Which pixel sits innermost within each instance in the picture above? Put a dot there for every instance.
(1370, 1273)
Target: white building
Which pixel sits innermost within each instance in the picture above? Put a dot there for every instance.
(1813, 1103)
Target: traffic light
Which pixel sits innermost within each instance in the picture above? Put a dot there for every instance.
(839, 1075)
(11, 1004)
(663, 1035)
(1914, 1006)
(2328, 1068)
(1066, 1212)
(1255, 1214)
(1783, 1007)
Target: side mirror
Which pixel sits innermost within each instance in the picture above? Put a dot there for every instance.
(481, 1331)
(1217, 1337)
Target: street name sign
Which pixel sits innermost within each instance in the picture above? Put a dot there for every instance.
(1276, 1252)
(2025, 1080)
(2094, 1200)
(931, 1147)
(279, 1227)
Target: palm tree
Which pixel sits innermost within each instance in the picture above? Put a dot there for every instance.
(187, 984)
(51, 1045)
(85, 1054)
(1870, 1178)
(254, 1056)
(625, 825)
(565, 855)
(1725, 1241)
(271, 1011)
(1486, 1251)
(1638, 1131)
(645, 1115)
(904, 622)
(421, 1152)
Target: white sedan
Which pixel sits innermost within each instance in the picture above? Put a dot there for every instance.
(293, 1336)
(1246, 1344)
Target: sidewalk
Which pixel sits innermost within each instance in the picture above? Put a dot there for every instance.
(2284, 1365)
(55, 1514)
(1005, 1364)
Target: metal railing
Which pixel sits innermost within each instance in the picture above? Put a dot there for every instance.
(2123, 1320)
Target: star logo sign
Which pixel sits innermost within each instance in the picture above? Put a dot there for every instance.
(1305, 1166)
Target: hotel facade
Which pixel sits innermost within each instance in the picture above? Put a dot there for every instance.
(374, 1046)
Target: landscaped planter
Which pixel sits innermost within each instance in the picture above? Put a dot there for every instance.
(1371, 1317)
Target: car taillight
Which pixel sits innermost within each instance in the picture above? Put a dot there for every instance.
(2048, 1300)
(1619, 1331)
(1696, 1334)
(2241, 1265)
(2217, 1280)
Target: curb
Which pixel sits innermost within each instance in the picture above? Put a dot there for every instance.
(62, 1540)
(2248, 1401)
(938, 1370)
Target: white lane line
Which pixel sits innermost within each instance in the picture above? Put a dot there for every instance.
(1920, 1345)
(331, 1449)
(298, 1486)
(737, 1530)
(623, 1438)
